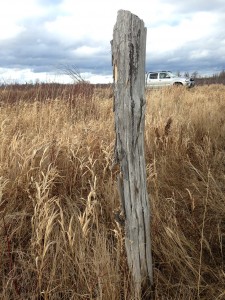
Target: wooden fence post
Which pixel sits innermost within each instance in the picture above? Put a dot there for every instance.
(128, 59)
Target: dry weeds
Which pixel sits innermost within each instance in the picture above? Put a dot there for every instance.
(58, 195)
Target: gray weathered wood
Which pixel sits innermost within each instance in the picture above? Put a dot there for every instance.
(128, 59)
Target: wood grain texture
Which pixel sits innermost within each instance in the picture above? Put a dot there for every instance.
(128, 59)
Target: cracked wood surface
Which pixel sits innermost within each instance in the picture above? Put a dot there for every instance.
(128, 60)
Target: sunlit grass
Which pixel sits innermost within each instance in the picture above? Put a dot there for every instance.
(58, 195)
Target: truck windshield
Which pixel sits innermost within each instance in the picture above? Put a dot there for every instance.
(172, 74)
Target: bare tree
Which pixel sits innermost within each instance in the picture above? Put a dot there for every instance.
(73, 72)
(194, 74)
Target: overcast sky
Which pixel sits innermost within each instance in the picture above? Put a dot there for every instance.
(39, 36)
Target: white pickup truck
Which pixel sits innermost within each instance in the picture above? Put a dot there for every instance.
(166, 78)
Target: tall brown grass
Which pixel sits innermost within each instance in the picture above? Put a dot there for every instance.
(59, 238)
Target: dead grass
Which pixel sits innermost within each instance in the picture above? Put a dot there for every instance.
(59, 238)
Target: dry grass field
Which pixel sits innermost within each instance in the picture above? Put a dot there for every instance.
(59, 238)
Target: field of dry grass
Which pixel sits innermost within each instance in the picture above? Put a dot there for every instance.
(58, 194)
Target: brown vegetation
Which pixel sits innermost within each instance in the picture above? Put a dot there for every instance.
(218, 78)
(59, 235)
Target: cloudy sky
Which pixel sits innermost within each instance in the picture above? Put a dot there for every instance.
(37, 37)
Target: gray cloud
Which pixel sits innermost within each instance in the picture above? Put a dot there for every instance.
(191, 57)
(41, 51)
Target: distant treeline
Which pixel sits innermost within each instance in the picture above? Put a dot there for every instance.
(43, 91)
(214, 79)
(218, 78)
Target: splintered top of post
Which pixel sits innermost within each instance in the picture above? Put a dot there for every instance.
(128, 52)
(126, 14)
(123, 12)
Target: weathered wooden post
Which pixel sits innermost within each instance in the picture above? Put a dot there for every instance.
(128, 59)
